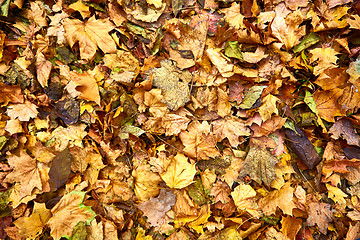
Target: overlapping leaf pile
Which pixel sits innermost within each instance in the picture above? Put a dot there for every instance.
(181, 119)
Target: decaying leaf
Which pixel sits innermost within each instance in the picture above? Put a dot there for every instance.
(321, 215)
(259, 165)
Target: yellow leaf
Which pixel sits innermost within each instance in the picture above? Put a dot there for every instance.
(336, 194)
(85, 84)
(91, 35)
(179, 173)
(83, 9)
(268, 107)
(325, 58)
(244, 199)
(32, 226)
(233, 16)
(146, 183)
(156, 3)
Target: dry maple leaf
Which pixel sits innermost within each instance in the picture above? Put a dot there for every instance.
(231, 128)
(320, 214)
(155, 208)
(224, 66)
(198, 141)
(32, 226)
(327, 105)
(179, 173)
(68, 212)
(282, 198)
(325, 58)
(26, 172)
(259, 165)
(233, 16)
(90, 35)
(85, 86)
(287, 29)
(268, 107)
(23, 111)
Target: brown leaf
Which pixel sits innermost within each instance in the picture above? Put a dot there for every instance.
(259, 165)
(290, 226)
(302, 147)
(11, 94)
(344, 129)
(84, 85)
(22, 111)
(320, 214)
(43, 69)
(155, 208)
(60, 169)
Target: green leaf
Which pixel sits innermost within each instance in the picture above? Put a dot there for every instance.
(308, 41)
(5, 8)
(79, 232)
(197, 192)
(4, 203)
(3, 140)
(232, 50)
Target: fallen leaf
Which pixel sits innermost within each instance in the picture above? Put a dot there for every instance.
(155, 208)
(11, 94)
(344, 129)
(251, 95)
(60, 169)
(146, 183)
(353, 232)
(173, 84)
(268, 107)
(244, 198)
(198, 141)
(233, 16)
(282, 198)
(259, 165)
(230, 128)
(68, 212)
(85, 86)
(302, 147)
(290, 226)
(43, 69)
(32, 226)
(22, 111)
(336, 194)
(320, 214)
(222, 63)
(90, 35)
(179, 173)
(327, 105)
(26, 172)
(325, 58)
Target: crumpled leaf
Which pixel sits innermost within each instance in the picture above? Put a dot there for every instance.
(179, 173)
(155, 208)
(259, 165)
(173, 84)
(67, 213)
(344, 129)
(320, 214)
(91, 35)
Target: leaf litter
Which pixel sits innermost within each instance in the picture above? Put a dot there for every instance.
(179, 119)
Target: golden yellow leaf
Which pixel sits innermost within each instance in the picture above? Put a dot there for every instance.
(146, 183)
(224, 66)
(244, 198)
(179, 173)
(231, 128)
(336, 194)
(90, 35)
(324, 57)
(268, 107)
(83, 9)
(233, 15)
(32, 226)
